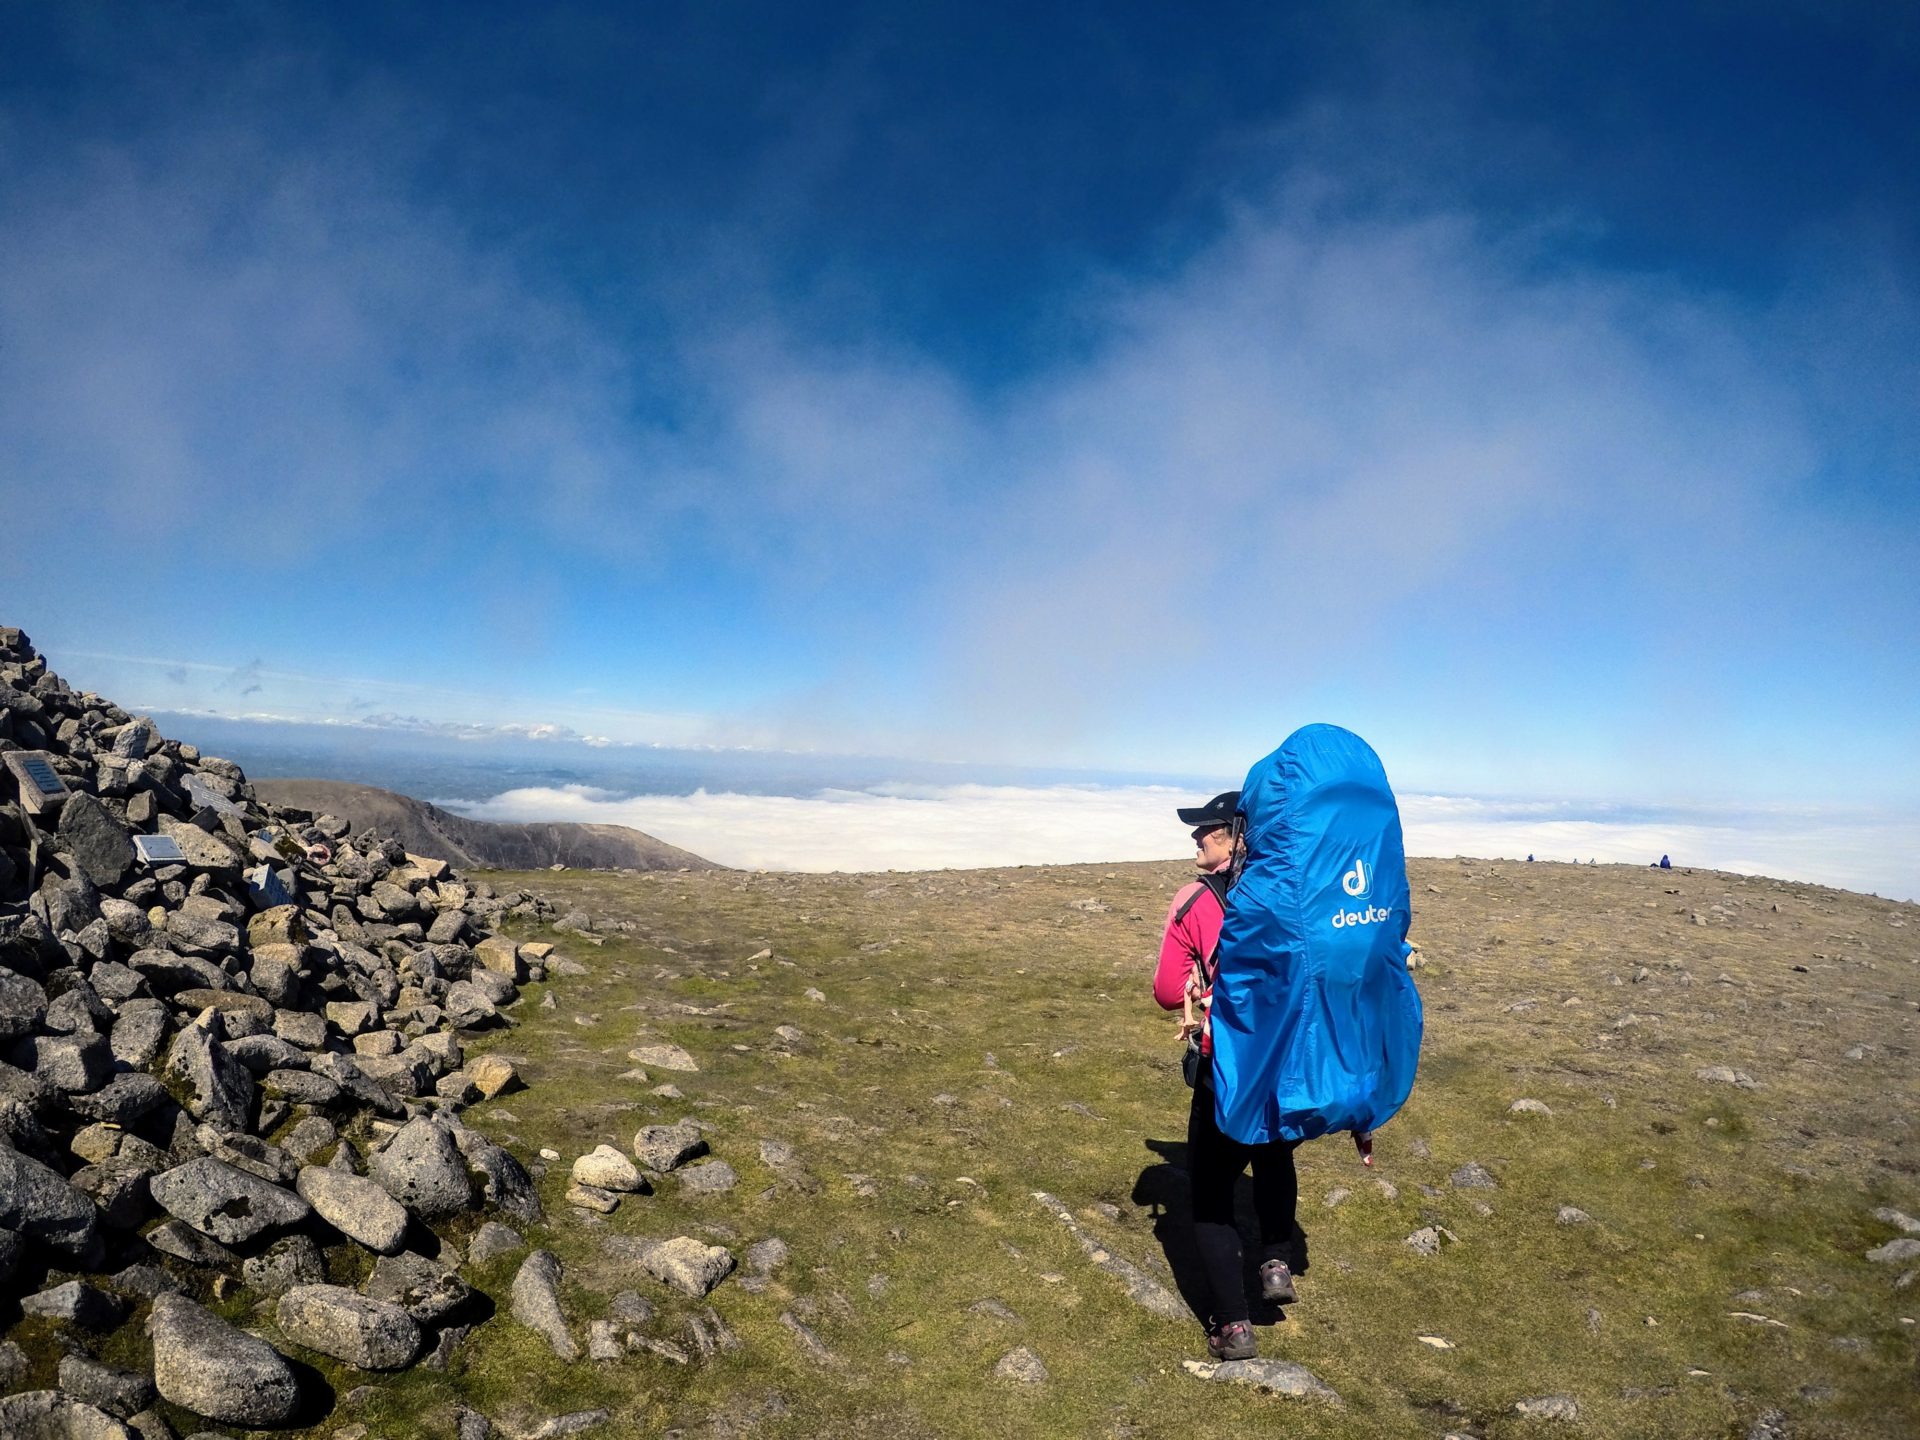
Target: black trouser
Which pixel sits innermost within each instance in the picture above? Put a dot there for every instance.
(1215, 1163)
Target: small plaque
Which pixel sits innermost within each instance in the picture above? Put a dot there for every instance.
(43, 775)
(159, 849)
(42, 791)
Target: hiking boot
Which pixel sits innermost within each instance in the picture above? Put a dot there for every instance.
(1276, 1283)
(1231, 1341)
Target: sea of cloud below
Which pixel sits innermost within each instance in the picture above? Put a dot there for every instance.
(908, 827)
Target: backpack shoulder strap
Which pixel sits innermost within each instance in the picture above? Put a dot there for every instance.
(1216, 886)
(1189, 902)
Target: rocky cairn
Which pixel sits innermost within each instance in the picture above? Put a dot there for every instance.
(229, 1072)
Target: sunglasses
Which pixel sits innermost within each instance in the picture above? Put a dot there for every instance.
(1201, 834)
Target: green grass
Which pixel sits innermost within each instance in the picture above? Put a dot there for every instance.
(982, 1039)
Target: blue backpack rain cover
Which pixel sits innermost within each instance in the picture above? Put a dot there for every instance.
(1316, 1022)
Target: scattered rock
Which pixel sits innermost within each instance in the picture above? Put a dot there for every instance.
(422, 1169)
(575, 1423)
(591, 1197)
(229, 1204)
(429, 1292)
(665, 1147)
(1571, 1215)
(1895, 1252)
(492, 1240)
(1898, 1219)
(493, 1075)
(810, 1344)
(605, 1168)
(1725, 1075)
(37, 1203)
(291, 1260)
(1140, 1287)
(687, 1265)
(1472, 1176)
(763, 1257)
(1529, 1107)
(536, 1302)
(1020, 1366)
(603, 1341)
(1272, 1377)
(118, 1392)
(663, 1057)
(713, 1178)
(1549, 1407)
(77, 1304)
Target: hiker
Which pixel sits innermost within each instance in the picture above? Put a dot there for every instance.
(1183, 979)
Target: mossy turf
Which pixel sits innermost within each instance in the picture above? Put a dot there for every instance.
(988, 1034)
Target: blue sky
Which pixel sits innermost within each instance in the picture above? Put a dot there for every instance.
(1534, 390)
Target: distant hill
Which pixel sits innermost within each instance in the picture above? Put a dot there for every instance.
(428, 830)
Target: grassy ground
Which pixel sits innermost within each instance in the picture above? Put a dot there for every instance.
(987, 1034)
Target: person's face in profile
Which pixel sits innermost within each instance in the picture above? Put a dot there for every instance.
(1213, 846)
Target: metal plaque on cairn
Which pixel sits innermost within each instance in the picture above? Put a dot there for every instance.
(159, 849)
(41, 788)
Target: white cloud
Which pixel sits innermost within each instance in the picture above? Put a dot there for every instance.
(899, 827)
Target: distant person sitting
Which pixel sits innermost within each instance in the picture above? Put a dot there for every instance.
(1529, 859)
(1665, 863)
(1215, 1161)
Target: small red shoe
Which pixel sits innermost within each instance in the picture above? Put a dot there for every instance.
(1231, 1341)
(1276, 1283)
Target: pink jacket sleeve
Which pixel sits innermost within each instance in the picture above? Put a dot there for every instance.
(1180, 945)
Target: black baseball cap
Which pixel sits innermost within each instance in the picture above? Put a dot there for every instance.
(1217, 811)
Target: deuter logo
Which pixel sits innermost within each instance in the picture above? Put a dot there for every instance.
(1372, 915)
(1356, 881)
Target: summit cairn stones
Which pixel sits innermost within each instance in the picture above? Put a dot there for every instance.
(355, 1206)
(57, 1415)
(501, 956)
(37, 1203)
(205, 1365)
(421, 1167)
(225, 1203)
(99, 843)
(369, 1334)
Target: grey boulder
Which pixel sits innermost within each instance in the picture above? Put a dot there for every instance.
(23, 1005)
(204, 1364)
(98, 843)
(536, 1302)
(357, 1207)
(225, 1202)
(37, 1203)
(685, 1264)
(369, 1334)
(662, 1147)
(118, 1392)
(426, 1290)
(421, 1168)
(291, 1260)
(52, 1415)
(219, 1087)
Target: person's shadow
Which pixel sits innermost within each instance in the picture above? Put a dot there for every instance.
(1163, 1188)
